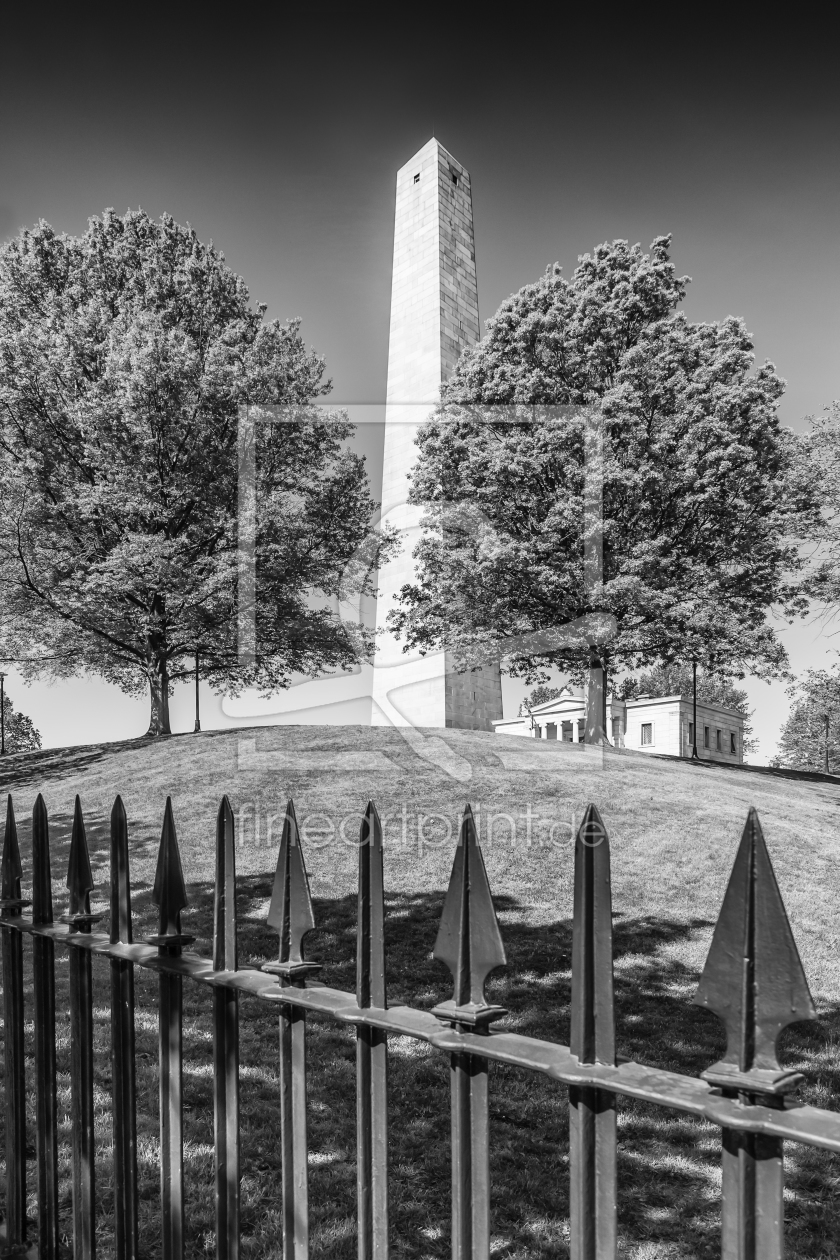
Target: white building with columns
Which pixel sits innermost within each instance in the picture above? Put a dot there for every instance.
(650, 724)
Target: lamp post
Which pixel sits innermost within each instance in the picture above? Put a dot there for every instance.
(2, 714)
(826, 743)
(694, 753)
(197, 726)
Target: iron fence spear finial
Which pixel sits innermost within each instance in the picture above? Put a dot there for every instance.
(592, 1116)
(11, 871)
(469, 941)
(290, 912)
(753, 978)
(120, 885)
(169, 893)
(370, 952)
(224, 909)
(593, 1018)
(42, 907)
(79, 874)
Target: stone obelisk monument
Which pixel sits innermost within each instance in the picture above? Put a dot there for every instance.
(434, 316)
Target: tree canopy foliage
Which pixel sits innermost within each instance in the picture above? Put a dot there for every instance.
(812, 728)
(126, 355)
(819, 462)
(539, 695)
(697, 480)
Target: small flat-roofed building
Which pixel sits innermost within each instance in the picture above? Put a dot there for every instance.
(654, 724)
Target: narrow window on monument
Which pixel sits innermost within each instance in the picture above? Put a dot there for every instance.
(717, 741)
(417, 179)
(647, 732)
(705, 737)
(455, 179)
(733, 743)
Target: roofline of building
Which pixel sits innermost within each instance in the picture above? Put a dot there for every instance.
(550, 705)
(683, 699)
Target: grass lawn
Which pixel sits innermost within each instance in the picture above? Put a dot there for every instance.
(673, 829)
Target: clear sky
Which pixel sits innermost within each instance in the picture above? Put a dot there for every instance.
(280, 140)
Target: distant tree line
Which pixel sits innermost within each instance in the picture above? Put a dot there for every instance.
(810, 738)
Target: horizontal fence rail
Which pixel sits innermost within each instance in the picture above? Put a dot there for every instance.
(753, 980)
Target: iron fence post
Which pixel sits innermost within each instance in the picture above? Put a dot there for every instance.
(371, 1047)
(13, 1018)
(43, 963)
(470, 944)
(170, 895)
(752, 1214)
(226, 1042)
(291, 916)
(79, 919)
(754, 982)
(592, 1115)
(123, 1078)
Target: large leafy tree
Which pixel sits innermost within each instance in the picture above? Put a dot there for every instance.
(697, 481)
(20, 733)
(819, 464)
(810, 737)
(125, 358)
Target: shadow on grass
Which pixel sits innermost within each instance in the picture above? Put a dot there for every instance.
(29, 770)
(19, 771)
(668, 1163)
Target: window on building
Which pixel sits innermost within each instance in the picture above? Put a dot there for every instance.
(454, 178)
(733, 743)
(616, 730)
(647, 733)
(417, 179)
(706, 742)
(718, 741)
(690, 739)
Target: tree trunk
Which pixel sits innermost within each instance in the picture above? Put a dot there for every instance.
(596, 698)
(159, 701)
(157, 669)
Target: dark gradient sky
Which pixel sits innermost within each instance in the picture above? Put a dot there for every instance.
(280, 139)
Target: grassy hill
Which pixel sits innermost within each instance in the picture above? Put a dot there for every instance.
(674, 829)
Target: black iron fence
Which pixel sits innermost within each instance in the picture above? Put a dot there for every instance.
(753, 981)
